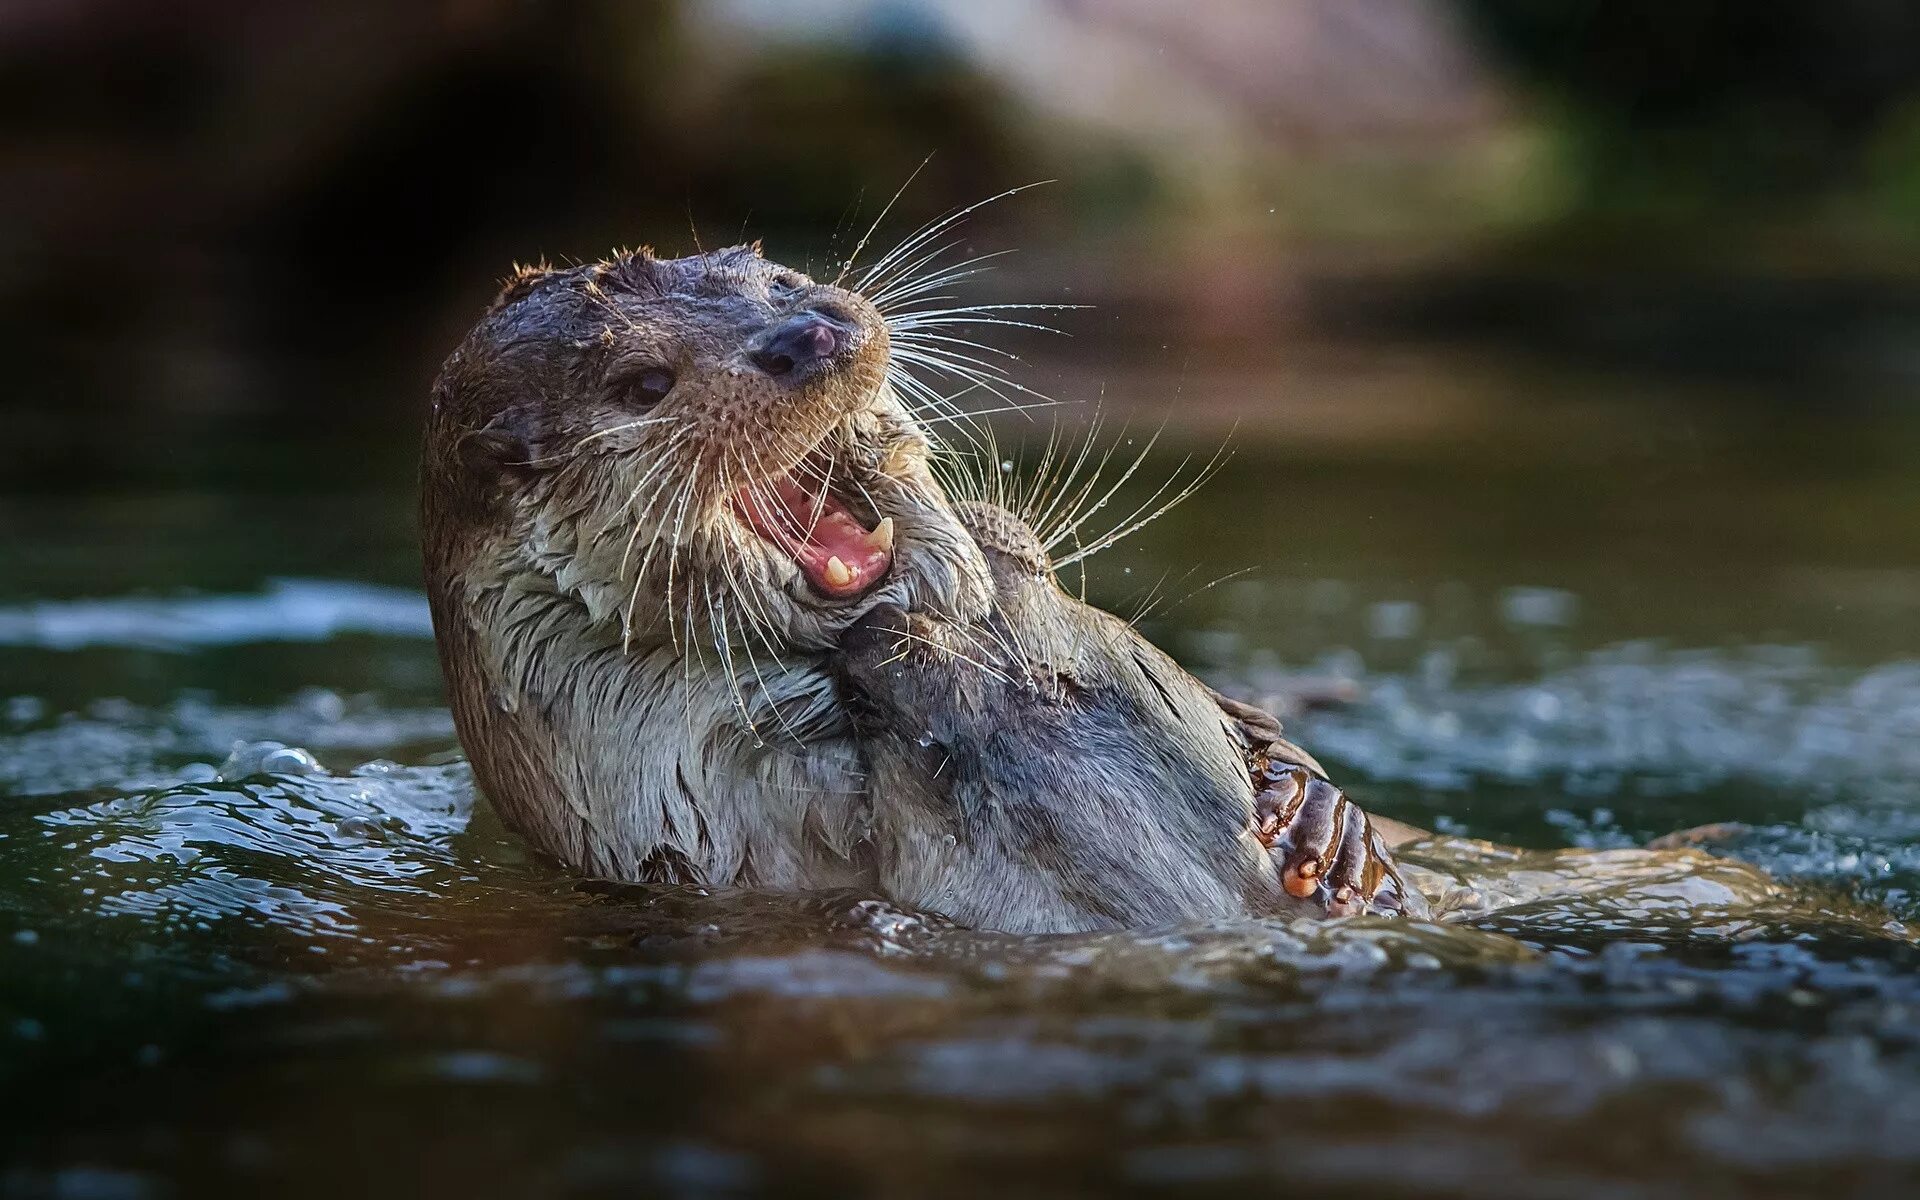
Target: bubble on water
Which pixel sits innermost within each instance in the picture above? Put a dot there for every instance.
(130, 747)
(268, 758)
(358, 826)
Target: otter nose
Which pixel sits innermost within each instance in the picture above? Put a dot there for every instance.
(798, 342)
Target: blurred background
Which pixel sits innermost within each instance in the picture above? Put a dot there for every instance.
(219, 217)
(1615, 297)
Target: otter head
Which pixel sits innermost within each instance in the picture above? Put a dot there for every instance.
(703, 447)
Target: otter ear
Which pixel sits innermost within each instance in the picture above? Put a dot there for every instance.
(1259, 730)
(525, 277)
(634, 270)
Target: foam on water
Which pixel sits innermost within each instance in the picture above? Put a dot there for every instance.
(116, 744)
(1682, 720)
(1676, 736)
(287, 610)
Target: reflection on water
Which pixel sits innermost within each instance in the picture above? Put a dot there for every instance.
(344, 945)
(289, 610)
(256, 932)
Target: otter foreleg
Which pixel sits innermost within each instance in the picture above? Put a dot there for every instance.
(1325, 847)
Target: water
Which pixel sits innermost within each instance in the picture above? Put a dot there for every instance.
(258, 936)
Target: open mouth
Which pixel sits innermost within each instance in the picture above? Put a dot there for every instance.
(840, 554)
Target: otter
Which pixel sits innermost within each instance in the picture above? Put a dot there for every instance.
(653, 494)
(700, 601)
(656, 493)
(1046, 769)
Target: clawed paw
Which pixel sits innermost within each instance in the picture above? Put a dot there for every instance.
(1324, 845)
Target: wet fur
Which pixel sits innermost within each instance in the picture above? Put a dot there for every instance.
(1047, 769)
(638, 678)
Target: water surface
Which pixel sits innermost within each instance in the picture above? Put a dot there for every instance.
(257, 934)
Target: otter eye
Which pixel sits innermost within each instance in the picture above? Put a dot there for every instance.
(652, 386)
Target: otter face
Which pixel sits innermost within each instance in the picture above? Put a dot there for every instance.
(700, 448)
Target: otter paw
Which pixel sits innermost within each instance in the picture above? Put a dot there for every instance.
(1325, 847)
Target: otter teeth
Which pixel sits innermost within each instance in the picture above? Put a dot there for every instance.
(881, 538)
(838, 573)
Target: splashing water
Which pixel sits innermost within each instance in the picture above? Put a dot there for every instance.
(257, 931)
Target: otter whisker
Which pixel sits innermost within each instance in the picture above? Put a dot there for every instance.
(1076, 486)
(580, 446)
(933, 229)
(675, 544)
(984, 641)
(1078, 516)
(624, 426)
(666, 457)
(772, 508)
(988, 375)
(914, 333)
(950, 652)
(1132, 526)
(755, 622)
(985, 375)
(936, 343)
(920, 390)
(923, 275)
(749, 627)
(724, 648)
(989, 412)
(720, 616)
(769, 508)
(1029, 498)
(907, 314)
(1205, 587)
(875, 227)
(641, 522)
(920, 394)
(753, 664)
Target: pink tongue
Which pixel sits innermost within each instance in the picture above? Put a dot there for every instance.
(816, 543)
